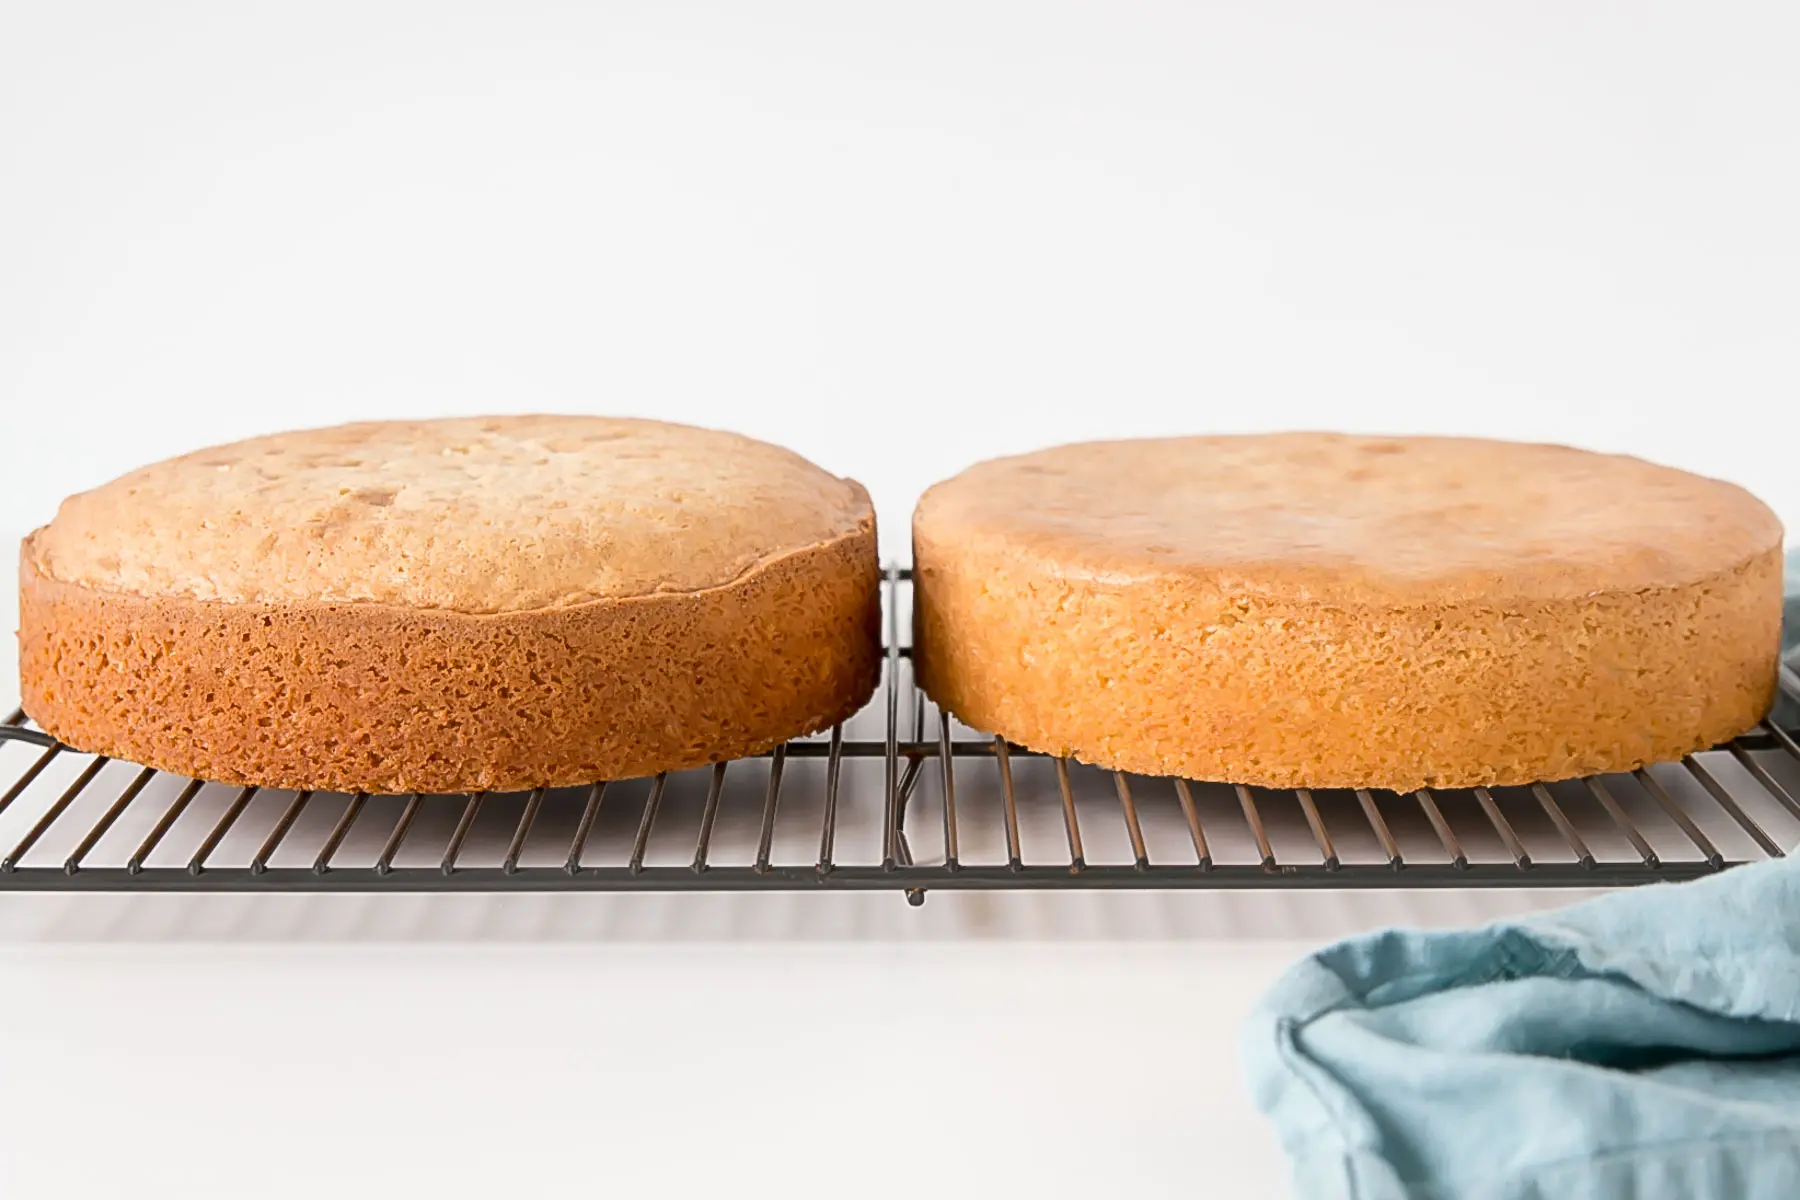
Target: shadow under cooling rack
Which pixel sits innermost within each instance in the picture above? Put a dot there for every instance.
(900, 797)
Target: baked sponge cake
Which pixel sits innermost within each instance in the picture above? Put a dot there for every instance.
(453, 605)
(1317, 610)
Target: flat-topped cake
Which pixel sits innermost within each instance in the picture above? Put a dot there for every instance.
(1321, 610)
(453, 605)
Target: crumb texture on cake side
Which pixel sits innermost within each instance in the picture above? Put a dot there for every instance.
(451, 606)
(1317, 610)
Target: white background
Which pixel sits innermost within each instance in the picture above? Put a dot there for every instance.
(898, 238)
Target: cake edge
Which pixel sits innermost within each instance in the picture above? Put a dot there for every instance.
(307, 695)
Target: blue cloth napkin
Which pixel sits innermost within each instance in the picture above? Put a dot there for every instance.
(1786, 710)
(1641, 1046)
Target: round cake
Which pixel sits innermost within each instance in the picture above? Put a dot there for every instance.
(453, 605)
(1319, 610)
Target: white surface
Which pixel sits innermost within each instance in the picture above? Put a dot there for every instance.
(980, 1046)
(647, 1070)
(898, 238)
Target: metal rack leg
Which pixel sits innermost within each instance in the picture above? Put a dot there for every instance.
(903, 855)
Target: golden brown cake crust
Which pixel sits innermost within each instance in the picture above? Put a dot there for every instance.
(476, 514)
(1316, 610)
(360, 695)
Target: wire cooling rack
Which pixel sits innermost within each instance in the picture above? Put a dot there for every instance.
(900, 797)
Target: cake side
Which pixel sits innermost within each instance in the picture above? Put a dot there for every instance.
(380, 698)
(1169, 675)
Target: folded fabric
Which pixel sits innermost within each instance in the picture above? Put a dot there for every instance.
(1644, 1045)
(1787, 711)
(1790, 614)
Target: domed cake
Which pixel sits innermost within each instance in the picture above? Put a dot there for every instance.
(453, 605)
(1320, 610)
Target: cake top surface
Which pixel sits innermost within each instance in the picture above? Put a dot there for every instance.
(1336, 518)
(479, 515)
